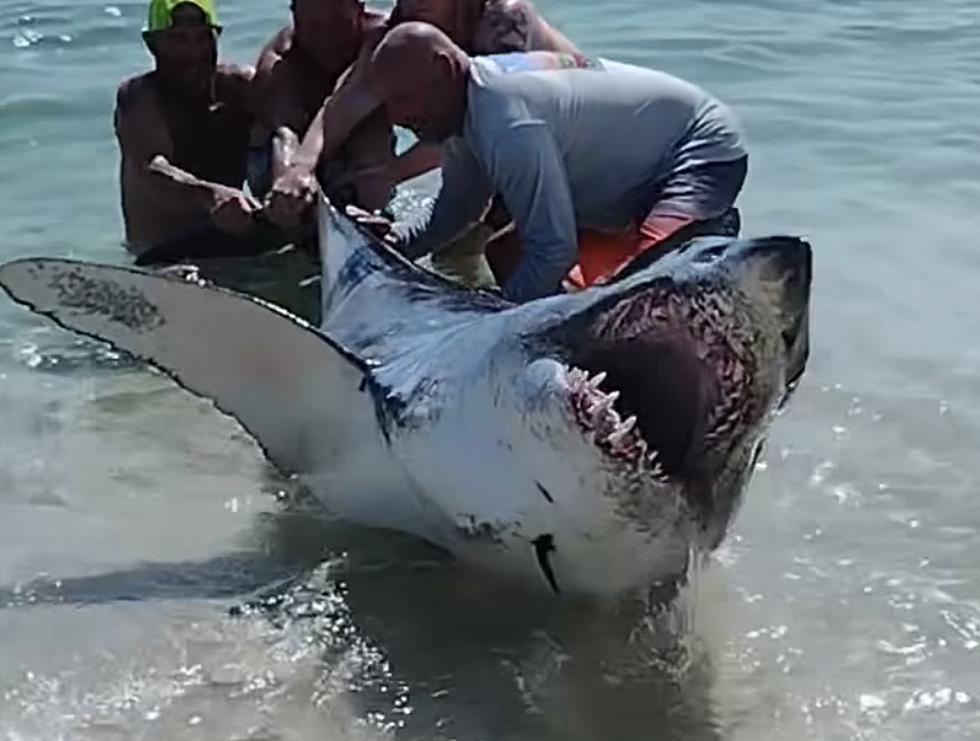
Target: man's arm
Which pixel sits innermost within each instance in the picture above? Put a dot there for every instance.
(529, 173)
(462, 199)
(417, 159)
(295, 158)
(414, 161)
(285, 117)
(352, 101)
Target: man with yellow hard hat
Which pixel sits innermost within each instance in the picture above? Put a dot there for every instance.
(183, 131)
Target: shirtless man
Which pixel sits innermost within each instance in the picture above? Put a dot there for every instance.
(479, 27)
(183, 132)
(297, 71)
(598, 161)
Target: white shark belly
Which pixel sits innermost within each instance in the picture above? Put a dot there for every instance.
(496, 505)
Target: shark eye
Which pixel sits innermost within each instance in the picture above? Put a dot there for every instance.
(710, 254)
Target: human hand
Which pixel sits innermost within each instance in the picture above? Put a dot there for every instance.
(232, 211)
(290, 197)
(378, 225)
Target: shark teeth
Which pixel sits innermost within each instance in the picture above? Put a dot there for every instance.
(655, 466)
(597, 381)
(619, 436)
(604, 405)
(704, 319)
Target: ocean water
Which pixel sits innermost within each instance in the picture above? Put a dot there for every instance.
(844, 605)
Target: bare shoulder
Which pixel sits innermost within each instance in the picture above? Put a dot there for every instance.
(273, 50)
(511, 8)
(138, 117)
(134, 92)
(233, 84)
(375, 28)
(375, 23)
(274, 69)
(234, 75)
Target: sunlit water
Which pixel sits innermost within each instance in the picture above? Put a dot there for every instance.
(845, 604)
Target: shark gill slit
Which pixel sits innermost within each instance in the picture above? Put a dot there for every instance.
(544, 545)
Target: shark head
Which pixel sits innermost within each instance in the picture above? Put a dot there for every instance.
(616, 428)
(674, 373)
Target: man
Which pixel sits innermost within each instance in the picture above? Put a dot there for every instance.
(183, 132)
(572, 145)
(478, 26)
(297, 71)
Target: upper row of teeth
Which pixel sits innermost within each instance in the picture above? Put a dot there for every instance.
(602, 410)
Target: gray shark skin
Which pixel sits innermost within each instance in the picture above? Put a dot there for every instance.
(583, 444)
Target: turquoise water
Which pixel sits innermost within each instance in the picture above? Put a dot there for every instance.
(846, 604)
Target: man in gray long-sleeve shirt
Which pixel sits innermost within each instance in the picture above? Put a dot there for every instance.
(575, 147)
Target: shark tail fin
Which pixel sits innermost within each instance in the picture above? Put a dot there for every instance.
(285, 382)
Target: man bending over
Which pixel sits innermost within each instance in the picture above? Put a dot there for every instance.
(596, 161)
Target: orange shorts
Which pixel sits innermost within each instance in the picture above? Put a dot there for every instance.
(600, 255)
(701, 194)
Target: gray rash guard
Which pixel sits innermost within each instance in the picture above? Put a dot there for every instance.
(569, 143)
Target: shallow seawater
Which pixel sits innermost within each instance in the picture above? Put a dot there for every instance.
(137, 524)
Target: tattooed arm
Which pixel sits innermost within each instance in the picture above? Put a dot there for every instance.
(515, 25)
(505, 26)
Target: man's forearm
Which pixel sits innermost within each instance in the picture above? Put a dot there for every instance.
(306, 154)
(350, 104)
(176, 183)
(316, 142)
(286, 152)
(540, 270)
(416, 160)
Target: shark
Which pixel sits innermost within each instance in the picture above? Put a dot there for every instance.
(587, 443)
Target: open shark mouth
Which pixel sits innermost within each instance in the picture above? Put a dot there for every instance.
(660, 379)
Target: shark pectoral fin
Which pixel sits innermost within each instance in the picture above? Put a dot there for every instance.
(293, 389)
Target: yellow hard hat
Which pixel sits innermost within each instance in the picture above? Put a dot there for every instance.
(160, 13)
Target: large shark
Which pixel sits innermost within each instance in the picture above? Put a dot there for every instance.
(587, 443)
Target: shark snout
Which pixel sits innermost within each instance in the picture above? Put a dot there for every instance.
(783, 269)
(785, 259)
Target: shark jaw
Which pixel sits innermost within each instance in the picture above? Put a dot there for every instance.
(667, 373)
